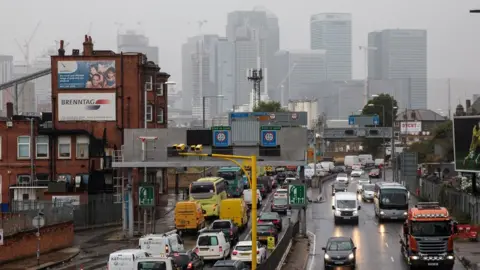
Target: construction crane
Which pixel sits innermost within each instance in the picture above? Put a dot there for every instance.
(280, 85)
(25, 48)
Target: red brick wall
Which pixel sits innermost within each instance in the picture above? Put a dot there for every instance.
(24, 244)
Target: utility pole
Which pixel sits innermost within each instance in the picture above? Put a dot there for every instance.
(256, 76)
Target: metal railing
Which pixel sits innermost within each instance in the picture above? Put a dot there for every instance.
(458, 202)
(20, 221)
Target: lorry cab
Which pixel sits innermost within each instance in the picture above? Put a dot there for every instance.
(236, 211)
(126, 259)
(189, 216)
(161, 244)
(155, 263)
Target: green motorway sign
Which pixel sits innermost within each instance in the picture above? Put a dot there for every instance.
(146, 196)
(297, 195)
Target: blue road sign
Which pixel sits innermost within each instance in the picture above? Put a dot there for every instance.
(351, 120)
(221, 138)
(269, 138)
(376, 120)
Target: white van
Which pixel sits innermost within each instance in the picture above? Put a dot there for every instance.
(346, 206)
(247, 197)
(327, 165)
(349, 161)
(161, 244)
(212, 245)
(366, 159)
(155, 262)
(126, 259)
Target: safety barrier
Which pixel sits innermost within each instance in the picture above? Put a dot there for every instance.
(458, 202)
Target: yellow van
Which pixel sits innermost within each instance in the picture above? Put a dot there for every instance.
(236, 211)
(189, 216)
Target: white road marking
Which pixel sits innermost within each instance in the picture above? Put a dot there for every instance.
(386, 244)
(314, 237)
(391, 258)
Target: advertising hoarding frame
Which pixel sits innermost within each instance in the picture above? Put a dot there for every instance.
(407, 130)
(462, 142)
(90, 107)
(81, 74)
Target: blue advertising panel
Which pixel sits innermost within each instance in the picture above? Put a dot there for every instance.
(86, 74)
(221, 138)
(351, 120)
(376, 120)
(269, 138)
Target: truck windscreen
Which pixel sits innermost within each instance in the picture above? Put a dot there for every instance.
(431, 228)
(227, 175)
(393, 197)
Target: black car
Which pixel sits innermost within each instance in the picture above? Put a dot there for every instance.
(265, 230)
(272, 217)
(228, 228)
(280, 177)
(230, 265)
(262, 189)
(339, 252)
(339, 169)
(187, 260)
(339, 187)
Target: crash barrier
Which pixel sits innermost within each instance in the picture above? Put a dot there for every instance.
(276, 255)
(458, 202)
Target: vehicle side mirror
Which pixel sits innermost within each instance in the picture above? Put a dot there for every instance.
(359, 207)
(333, 207)
(324, 249)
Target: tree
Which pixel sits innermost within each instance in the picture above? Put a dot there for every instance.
(269, 106)
(442, 136)
(376, 106)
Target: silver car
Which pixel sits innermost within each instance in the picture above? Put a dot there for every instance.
(361, 182)
(368, 192)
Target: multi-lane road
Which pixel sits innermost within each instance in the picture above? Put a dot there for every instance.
(378, 244)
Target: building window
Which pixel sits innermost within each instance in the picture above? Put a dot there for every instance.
(82, 147)
(23, 179)
(0, 152)
(160, 119)
(160, 87)
(149, 113)
(23, 147)
(64, 178)
(42, 179)
(42, 147)
(64, 147)
(149, 83)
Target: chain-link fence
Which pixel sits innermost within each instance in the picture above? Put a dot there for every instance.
(20, 221)
(461, 205)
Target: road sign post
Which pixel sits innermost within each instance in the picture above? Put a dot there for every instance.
(38, 222)
(146, 195)
(297, 195)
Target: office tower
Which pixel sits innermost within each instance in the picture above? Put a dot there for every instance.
(43, 85)
(132, 41)
(401, 54)
(333, 32)
(225, 74)
(300, 73)
(199, 60)
(6, 74)
(255, 36)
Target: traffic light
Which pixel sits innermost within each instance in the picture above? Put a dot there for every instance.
(180, 147)
(196, 148)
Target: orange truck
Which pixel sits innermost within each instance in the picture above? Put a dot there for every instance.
(428, 235)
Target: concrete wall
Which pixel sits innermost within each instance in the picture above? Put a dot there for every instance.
(293, 142)
(24, 244)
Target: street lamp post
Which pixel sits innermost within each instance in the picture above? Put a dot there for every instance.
(383, 125)
(204, 98)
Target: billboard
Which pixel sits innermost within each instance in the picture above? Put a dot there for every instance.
(466, 143)
(86, 107)
(86, 74)
(410, 127)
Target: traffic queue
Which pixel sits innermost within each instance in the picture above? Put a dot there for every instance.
(226, 199)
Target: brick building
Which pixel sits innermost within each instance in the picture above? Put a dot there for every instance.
(95, 95)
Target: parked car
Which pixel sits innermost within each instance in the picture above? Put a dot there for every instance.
(188, 260)
(272, 217)
(340, 252)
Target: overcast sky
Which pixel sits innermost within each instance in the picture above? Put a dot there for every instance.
(453, 33)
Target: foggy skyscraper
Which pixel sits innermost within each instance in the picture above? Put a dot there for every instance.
(333, 32)
(132, 41)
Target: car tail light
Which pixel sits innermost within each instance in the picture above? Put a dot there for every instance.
(190, 266)
(234, 252)
(220, 249)
(258, 252)
(197, 250)
(275, 221)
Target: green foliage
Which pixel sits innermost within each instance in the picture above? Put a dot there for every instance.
(269, 106)
(424, 150)
(442, 136)
(378, 106)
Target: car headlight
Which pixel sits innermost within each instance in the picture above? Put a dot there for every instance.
(337, 213)
(355, 212)
(414, 257)
(405, 213)
(351, 256)
(450, 257)
(327, 257)
(382, 213)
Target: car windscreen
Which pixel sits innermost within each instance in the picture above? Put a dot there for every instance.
(243, 248)
(280, 201)
(223, 268)
(393, 196)
(346, 204)
(221, 225)
(369, 187)
(181, 259)
(431, 228)
(340, 246)
(152, 266)
(269, 216)
(207, 240)
(227, 175)
(202, 188)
